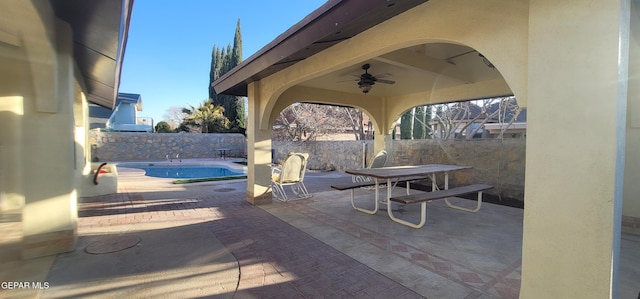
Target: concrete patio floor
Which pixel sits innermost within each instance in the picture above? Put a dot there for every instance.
(205, 240)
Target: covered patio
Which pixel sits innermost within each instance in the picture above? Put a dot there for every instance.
(445, 51)
(573, 65)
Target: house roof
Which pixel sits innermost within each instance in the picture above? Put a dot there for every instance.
(521, 117)
(100, 29)
(132, 98)
(470, 111)
(332, 23)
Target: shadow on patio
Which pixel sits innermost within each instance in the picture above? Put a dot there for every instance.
(455, 255)
(204, 239)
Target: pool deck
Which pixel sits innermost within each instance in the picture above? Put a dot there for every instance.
(205, 240)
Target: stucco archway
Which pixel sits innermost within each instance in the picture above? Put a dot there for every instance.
(545, 52)
(442, 81)
(387, 42)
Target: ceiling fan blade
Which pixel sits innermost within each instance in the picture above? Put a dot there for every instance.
(385, 81)
(355, 78)
(383, 75)
(350, 80)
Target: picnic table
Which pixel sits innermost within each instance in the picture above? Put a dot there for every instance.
(392, 175)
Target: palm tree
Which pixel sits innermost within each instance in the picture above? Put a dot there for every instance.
(208, 117)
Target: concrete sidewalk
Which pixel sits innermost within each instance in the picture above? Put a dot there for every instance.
(176, 259)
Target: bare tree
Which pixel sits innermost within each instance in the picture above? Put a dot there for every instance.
(509, 112)
(308, 121)
(174, 116)
(466, 119)
(355, 118)
(450, 118)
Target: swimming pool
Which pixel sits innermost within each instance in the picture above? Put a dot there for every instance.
(184, 171)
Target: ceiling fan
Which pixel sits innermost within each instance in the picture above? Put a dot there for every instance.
(366, 81)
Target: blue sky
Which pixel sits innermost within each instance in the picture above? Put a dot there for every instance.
(168, 54)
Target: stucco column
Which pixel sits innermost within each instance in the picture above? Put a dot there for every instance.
(631, 202)
(11, 189)
(258, 151)
(49, 214)
(575, 148)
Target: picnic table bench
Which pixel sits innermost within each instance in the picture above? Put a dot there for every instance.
(424, 198)
(440, 194)
(351, 186)
(375, 184)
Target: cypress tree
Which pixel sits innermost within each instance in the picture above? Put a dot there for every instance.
(223, 60)
(418, 125)
(405, 125)
(214, 71)
(236, 58)
(426, 118)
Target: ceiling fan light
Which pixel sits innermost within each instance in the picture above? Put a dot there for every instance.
(365, 87)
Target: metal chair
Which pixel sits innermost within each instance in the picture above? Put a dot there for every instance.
(290, 173)
(380, 160)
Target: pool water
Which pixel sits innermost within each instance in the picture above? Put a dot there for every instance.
(184, 171)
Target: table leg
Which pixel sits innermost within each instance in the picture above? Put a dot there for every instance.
(388, 189)
(375, 203)
(423, 211)
(434, 186)
(446, 200)
(446, 181)
(388, 195)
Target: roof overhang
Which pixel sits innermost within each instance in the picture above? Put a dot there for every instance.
(132, 98)
(332, 23)
(100, 30)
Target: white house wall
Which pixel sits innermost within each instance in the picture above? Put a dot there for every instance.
(38, 85)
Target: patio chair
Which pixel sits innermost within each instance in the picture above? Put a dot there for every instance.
(380, 160)
(290, 172)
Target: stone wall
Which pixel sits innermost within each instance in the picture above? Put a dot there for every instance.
(327, 155)
(499, 162)
(125, 146)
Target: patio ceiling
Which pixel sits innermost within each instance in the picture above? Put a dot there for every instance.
(100, 29)
(332, 23)
(416, 68)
